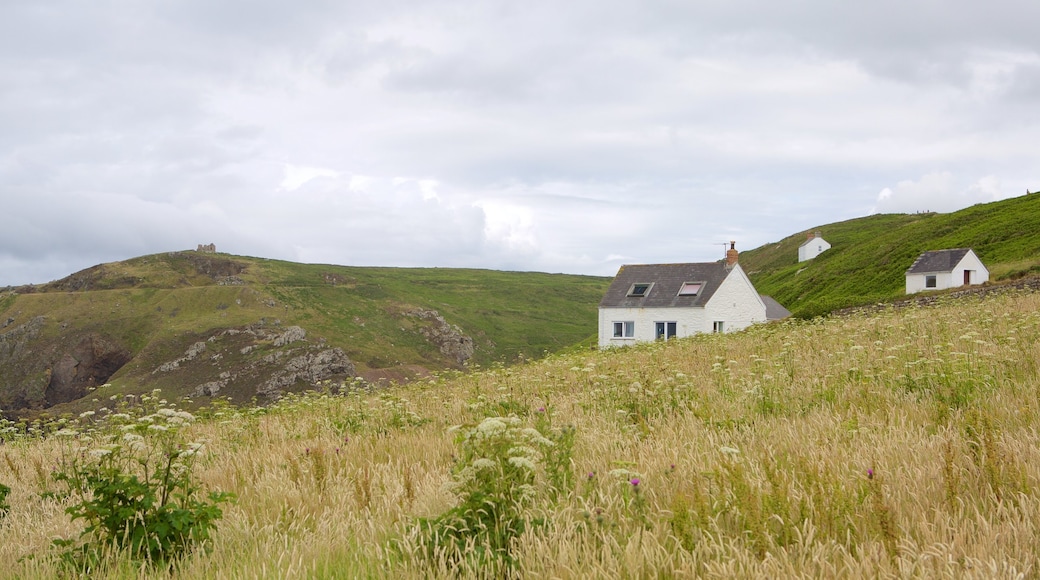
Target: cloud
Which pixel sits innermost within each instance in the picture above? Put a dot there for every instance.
(938, 192)
(562, 137)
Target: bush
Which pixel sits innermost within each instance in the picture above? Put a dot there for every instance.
(496, 480)
(136, 492)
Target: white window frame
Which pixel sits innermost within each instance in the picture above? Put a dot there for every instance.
(718, 326)
(627, 329)
(931, 281)
(670, 329)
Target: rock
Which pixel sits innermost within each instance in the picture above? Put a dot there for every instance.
(190, 354)
(448, 337)
(312, 368)
(209, 389)
(90, 363)
(291, 335)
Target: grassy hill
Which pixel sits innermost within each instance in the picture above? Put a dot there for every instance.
(869, 255)
(153, 309)
(884, 445)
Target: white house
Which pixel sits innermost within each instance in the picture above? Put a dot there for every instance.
(813, 246)
(943, 269)
(662, 301)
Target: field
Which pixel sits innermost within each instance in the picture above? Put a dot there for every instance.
(892, 444)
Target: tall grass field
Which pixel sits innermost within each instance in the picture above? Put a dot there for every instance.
(902, 443)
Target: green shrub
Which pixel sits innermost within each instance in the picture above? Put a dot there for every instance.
(136, 492)
(496, 479)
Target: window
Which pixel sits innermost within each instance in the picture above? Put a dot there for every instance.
(626, 329)
(640, 289)
(690, 288)
(664, 330)
(929, 281)
(718, 326)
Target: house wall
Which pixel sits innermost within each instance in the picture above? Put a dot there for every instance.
(735, 303)
(688, 321)
(943, 280)
(812, 248)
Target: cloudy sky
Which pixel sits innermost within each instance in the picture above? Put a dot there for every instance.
(539, 135)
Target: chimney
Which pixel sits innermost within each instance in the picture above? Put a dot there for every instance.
(731, 255)
(808, 235)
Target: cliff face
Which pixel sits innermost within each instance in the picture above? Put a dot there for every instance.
(90, 363)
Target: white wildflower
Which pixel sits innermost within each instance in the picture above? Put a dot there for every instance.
(729, 450)
(86, 414)
(158, 428)
(483, 463)
(492, 426)
(522, 462)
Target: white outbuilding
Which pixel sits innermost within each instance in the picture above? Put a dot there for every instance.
(942, 269)
(663, 301)
(813, 246)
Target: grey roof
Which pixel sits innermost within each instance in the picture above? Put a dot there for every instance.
(774, 311)
(938, 261)
(667, 280)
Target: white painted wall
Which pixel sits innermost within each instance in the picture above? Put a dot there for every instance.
(812, 248)
(688, 321)
(736, 303)
(954, 279)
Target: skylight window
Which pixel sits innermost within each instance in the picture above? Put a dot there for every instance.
(640, 289)
(691, 288)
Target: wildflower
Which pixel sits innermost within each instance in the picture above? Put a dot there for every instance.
(729, 450)
(634, 481)
(591, 475)
(522, 462)
(870, 473)
(86, 414)
(491, 426)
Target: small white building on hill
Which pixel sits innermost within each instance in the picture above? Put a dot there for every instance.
(813, 246)
(663, 301)
(942, 269)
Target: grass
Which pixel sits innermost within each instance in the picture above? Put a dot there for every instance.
(155, 306)
(869, 256)
(891, 444)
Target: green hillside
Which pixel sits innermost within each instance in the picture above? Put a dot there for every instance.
(152, 309)
(869, 256)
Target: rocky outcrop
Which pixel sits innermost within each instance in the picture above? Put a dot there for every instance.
(15, 341)
(448, 338)
(193, 351)
(90, 363)
(310, 368)
(291, 335)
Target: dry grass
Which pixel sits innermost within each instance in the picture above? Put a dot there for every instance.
(890, 445)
